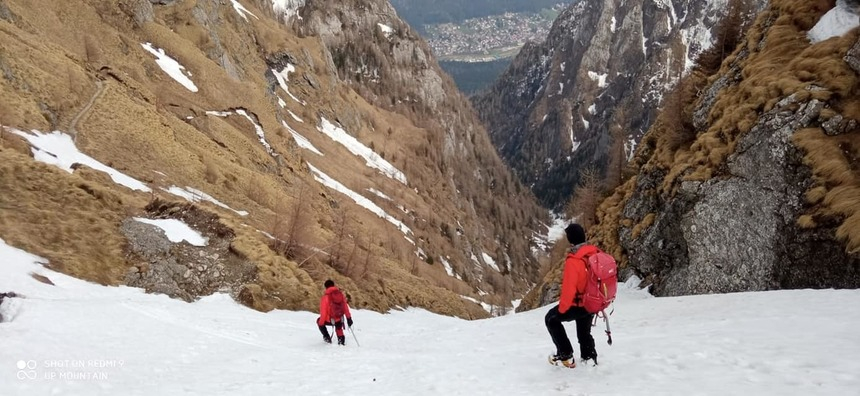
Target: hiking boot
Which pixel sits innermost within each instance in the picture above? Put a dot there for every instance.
(341, 340)
(564, 360)
(592, 357)
(327, 339)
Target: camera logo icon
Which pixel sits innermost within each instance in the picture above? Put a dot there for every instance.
(27, 369)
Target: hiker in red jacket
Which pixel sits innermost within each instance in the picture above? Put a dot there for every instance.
(333, 308)
(570, 307)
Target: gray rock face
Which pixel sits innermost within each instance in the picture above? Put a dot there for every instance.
(604, 65)
(5, 13)
(5, 298)
(181, 270)
(139, 10)
(739, 233)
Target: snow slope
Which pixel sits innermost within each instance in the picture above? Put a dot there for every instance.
(77, 338)
(834, 23)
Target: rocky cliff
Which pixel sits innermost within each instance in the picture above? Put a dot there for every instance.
(756, 186)
(313, 139)
(595, 84)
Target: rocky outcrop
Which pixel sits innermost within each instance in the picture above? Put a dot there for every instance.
(181, 270)
(739, 229)
(760, 198)
(598, 80)
(4, 299)
(739, 233)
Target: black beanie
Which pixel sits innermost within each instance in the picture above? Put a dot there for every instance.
(575, 234)
(329, 283)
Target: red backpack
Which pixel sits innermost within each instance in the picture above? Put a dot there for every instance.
(601, 284)
(336, 302)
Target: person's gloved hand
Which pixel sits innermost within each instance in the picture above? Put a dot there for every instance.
(349, 322)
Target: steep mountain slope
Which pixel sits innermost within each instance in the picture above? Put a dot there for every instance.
(753, 184)
(301, 169)
(593, 87)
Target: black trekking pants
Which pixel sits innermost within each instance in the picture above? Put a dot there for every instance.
(338, 329)
(554, 323)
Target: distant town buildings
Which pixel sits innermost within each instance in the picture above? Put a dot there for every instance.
(488, 38)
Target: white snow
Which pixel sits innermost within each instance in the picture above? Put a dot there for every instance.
(555, 231)
(834, 23)
(448, 268)
(352, 144)
(379, 194)
(614, 24)
(600, 78)
(560, 88)
(585, 124)
(562, 66)
(261, 134)
(630, 148)
(79, 338)
(283, 77)
(258, 129)
(386, 30)
(696, 40)
(194, 195)
(489, 261)
(58, 149)
(281, 102)
(176, 231)
(295, 117)
(644, 45)
(333, 184)
(302, 141)
(171, 67)
(487, 307)
(241, 10)
(288, 8)
(592, 109)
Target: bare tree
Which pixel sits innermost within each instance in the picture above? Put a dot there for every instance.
(588, 194)
(291, 224)
(341, 231)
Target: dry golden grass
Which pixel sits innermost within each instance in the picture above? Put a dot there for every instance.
(144, 122)
(69, 221)
(643, 225)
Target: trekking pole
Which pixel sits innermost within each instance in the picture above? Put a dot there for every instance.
(353, 336)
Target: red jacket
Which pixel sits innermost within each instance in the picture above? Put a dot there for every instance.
(325, 306)
(573, 281)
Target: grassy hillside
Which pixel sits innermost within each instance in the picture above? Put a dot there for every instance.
(79, 67)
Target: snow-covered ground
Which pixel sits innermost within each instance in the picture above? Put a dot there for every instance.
(359, 199)
(834, 23)
(194, 195)
(171, 67)
(77, 338)
(354, 146)
(176, 231)
(59, 149)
